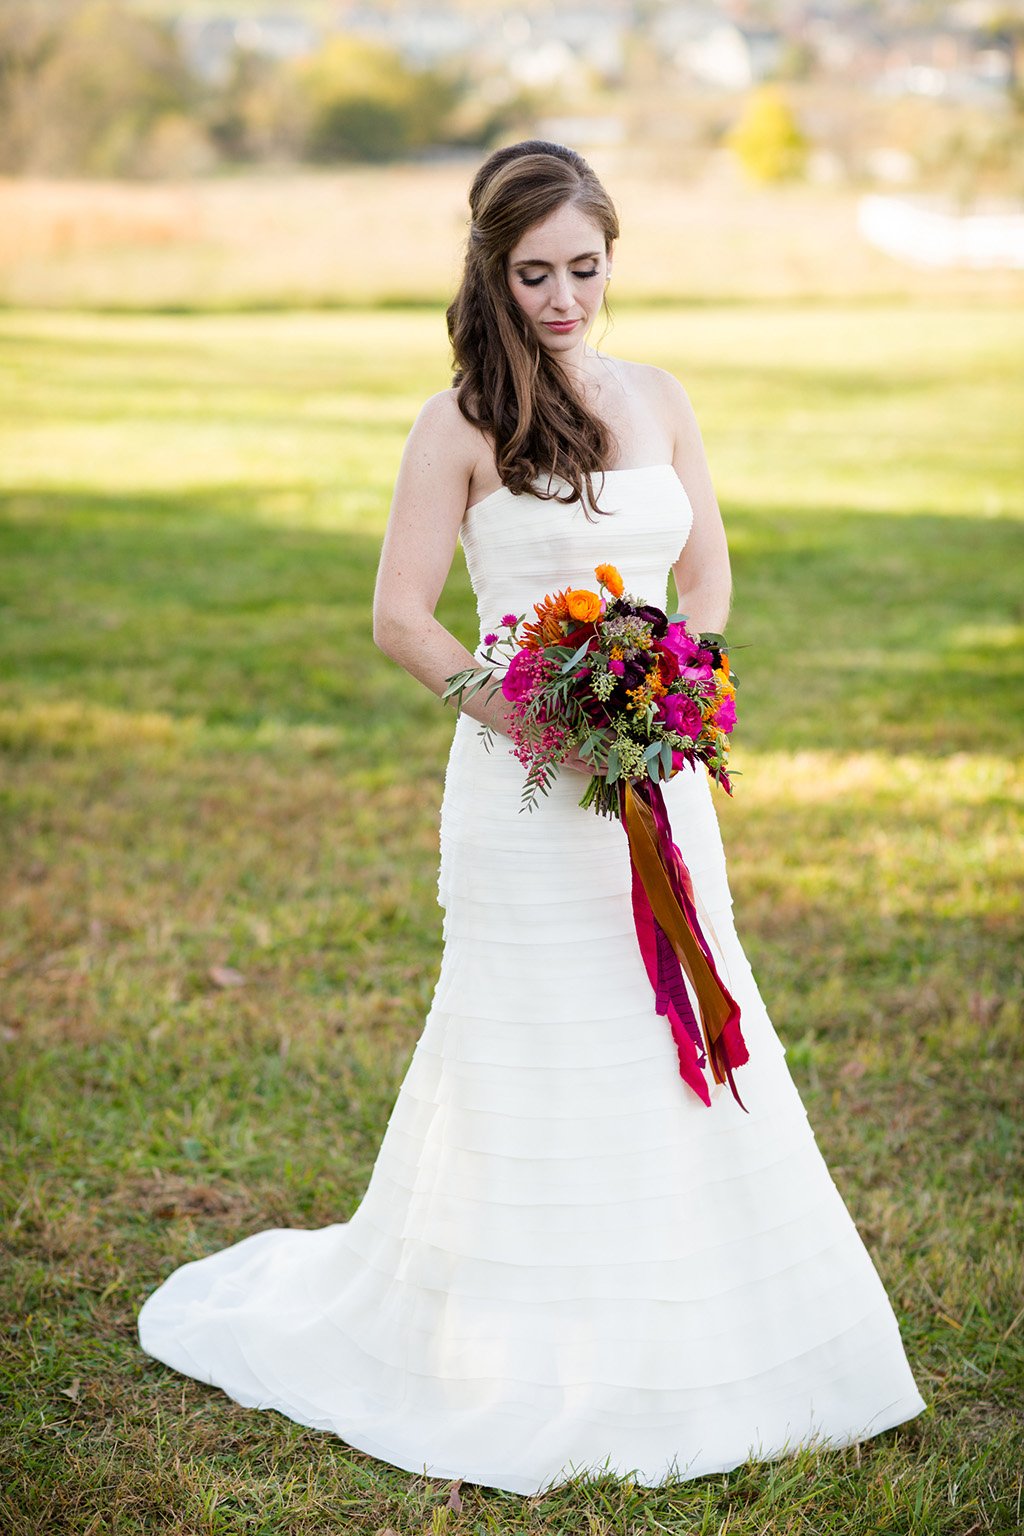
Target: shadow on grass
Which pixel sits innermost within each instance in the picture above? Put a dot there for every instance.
(850, 631)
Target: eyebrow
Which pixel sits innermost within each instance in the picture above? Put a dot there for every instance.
(587, 256)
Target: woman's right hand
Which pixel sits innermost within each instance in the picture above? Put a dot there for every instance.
(580, 765)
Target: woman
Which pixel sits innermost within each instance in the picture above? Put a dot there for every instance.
(565, 1261)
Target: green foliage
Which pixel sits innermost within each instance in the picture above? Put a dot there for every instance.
(767, 140)
(258, 113)
(971, 156)
(89, 87)
(363, 103)
(99, 88)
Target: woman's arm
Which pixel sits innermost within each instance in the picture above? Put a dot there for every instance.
(430, 496)
(702, 573)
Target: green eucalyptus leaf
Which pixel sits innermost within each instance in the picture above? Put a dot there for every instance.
(576, 657)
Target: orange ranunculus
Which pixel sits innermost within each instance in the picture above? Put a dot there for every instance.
(725, 664)
(609, 578)
(547, 630)
(584, 606)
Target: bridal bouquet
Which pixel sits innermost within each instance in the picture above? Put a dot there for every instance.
(614, 678)
(637, 695)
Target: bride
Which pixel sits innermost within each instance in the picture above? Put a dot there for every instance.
(566, 1260)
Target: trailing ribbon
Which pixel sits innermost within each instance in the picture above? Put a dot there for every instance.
(672, 941)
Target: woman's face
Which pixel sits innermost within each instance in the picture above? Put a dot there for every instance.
(557, 274)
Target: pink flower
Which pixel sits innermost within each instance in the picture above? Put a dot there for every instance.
(510, 619)
(490, 639)
(681, 714)
(682, 644)
(725, 715)
(694, 660)
(617, 665)
(520, 680)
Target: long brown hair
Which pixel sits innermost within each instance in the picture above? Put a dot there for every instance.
(506, 383)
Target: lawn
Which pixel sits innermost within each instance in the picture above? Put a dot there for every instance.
(219, 846)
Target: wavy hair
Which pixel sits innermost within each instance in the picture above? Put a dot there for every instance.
(505, 382)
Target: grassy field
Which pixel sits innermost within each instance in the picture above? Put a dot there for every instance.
(207, 765)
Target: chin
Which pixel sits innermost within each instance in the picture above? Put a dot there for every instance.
(558, 343)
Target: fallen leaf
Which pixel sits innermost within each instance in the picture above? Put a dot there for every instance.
(226, 976)
(74, 1391)
(454, 1500)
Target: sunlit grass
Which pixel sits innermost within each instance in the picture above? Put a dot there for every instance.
(207, 764)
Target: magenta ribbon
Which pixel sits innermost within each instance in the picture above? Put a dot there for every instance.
(725, 1045)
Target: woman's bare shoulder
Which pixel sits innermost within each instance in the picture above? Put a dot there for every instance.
(658, 383)
(441, 425)
(441, 413)
(664, 396)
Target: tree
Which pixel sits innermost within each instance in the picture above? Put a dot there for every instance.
(85, 84)
(363, 102)
(767, 139)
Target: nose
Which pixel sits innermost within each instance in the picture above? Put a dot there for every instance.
(562, 297)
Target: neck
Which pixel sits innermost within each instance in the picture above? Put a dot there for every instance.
(573, 361)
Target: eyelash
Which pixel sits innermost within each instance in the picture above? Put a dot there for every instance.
(531, 282)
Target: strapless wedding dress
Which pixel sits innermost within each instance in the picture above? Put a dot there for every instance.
(564, 1261)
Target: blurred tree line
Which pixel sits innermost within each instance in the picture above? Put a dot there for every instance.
(91, 87)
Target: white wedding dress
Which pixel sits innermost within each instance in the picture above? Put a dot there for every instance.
(564, 1261)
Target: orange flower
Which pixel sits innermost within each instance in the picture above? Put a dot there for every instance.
(609, 578)
(547, 630)
(584, 606)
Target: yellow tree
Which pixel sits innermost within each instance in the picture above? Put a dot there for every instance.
(767, 139)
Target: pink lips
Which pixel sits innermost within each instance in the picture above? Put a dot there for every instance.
(561, 326)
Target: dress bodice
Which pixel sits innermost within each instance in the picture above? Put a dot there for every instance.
(518, 548)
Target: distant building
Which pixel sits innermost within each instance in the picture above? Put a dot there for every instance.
(707, 47)
(424, 36)
(537, 48)
(209, 43)
(955, 64)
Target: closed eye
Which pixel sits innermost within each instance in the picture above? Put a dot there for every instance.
(531, 282)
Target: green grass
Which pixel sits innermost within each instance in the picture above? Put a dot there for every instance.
(206, 763)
